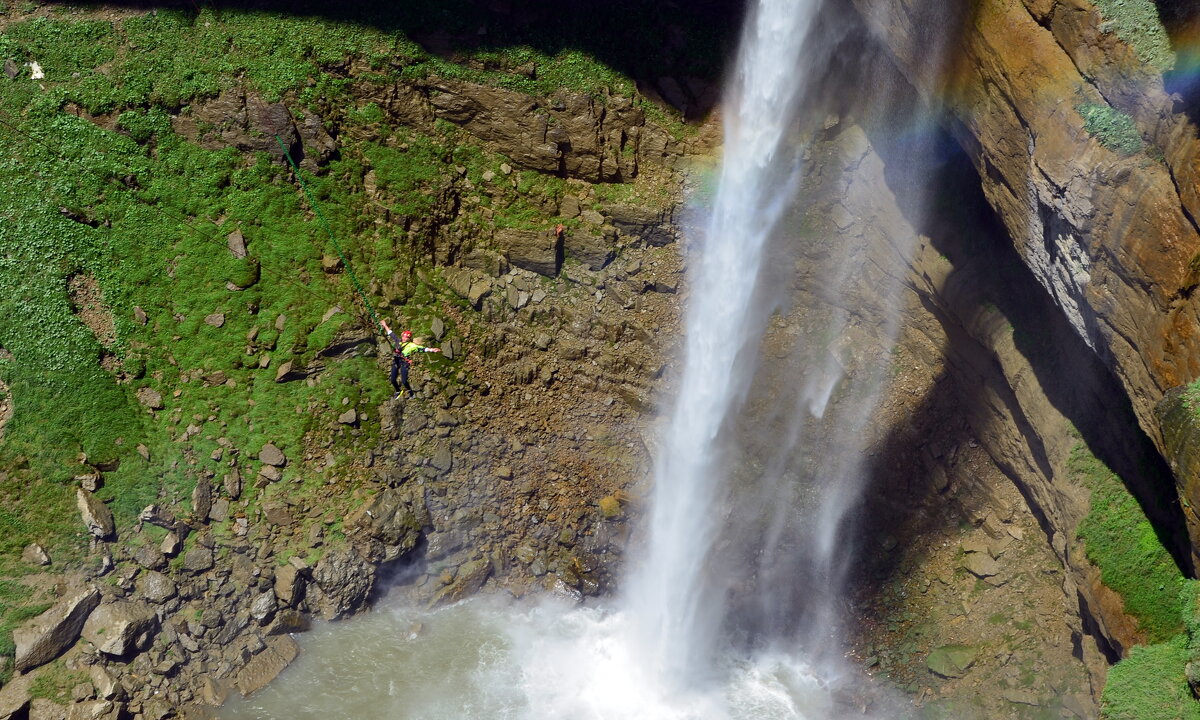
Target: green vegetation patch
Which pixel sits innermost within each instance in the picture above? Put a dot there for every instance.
(1137, 23)
(55, 682)
(1114, 129)
(15, 608)
(1150, 684)
(1123, 544)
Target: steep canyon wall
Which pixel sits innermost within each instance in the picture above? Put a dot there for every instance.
(1108, 231)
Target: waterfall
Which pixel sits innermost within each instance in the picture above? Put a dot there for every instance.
(678, 614)
(732, 605)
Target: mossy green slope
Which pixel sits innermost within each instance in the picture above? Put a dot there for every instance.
(144, 213)
(1124, 545)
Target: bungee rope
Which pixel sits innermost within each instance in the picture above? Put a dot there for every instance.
(324, 223)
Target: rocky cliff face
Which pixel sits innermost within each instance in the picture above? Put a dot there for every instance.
(515, 468)
(1109, 229)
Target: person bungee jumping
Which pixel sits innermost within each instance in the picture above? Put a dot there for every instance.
(402, 348)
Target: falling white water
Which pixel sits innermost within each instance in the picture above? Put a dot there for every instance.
(670, 649)
(677, 615)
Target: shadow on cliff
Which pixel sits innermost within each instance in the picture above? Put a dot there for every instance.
(939, 191)
(963, 227)
(676, 51)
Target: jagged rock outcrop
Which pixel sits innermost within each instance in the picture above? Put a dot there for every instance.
(395, 518)
(342, 580)
(244, 120)
(1111, 235)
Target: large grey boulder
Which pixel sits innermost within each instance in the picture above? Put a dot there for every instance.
(343, 580)
(262, 607)
(150, 557)
(157, 588)
(536, 250)
(96, 515)
(198, 559)
(395, 518)
(119, 628)
(49, 634)
(271, 455)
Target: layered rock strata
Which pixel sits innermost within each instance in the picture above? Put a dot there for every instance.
(1111, 234)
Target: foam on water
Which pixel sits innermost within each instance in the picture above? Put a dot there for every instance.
(479, 660)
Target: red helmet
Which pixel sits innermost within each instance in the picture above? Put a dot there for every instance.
(406, 335)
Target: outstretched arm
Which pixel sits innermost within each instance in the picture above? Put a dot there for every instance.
(391, 336)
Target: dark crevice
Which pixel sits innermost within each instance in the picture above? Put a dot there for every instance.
(1090, 627)
(1072, 375)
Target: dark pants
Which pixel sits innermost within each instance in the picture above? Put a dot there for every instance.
(400, 367)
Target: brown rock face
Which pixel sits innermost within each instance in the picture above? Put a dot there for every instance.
(1109, 235)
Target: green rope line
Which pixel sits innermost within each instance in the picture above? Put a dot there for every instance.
(324, 223)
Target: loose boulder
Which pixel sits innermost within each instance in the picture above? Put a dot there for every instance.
(271, 455)
(158, 515)
(951, 661)
(263, 607)
(198, 559)
(237, 244)
(52, 632)
(157, 588)
(35, 554)
(469, 285)
(395, 518)
(14, 696)
(467, 581)
(150, 398)
(96, 515)
(122, 627)
(289, 585)
(202, 498)
(94, 710)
